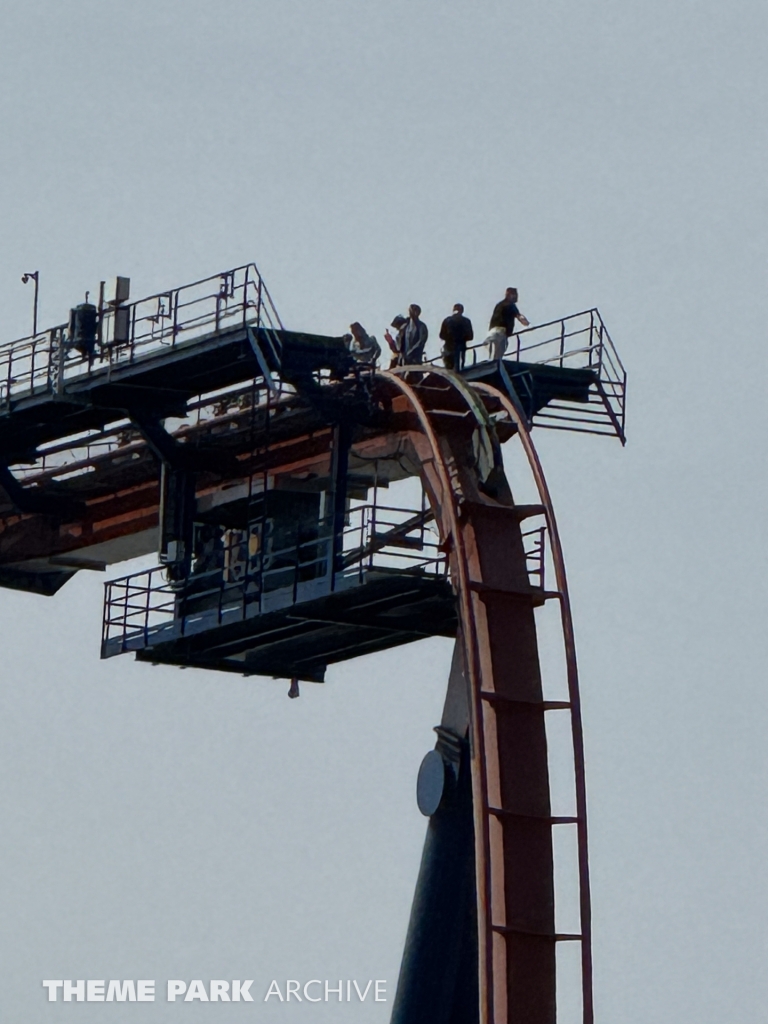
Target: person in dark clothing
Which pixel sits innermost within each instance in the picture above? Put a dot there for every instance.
(414, 338)
(456, 331)
(396, 343)
(502, 323)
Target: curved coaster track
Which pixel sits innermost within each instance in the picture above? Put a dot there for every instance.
(503, 710)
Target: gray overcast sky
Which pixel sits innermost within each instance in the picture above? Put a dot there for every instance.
(160, 823)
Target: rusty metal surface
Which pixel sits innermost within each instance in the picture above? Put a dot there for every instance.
(516, 415)
(480, 528)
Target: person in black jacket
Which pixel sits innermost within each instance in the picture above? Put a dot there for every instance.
(455, 332)
(502, 323)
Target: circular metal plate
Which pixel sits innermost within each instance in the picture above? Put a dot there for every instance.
(430, 784)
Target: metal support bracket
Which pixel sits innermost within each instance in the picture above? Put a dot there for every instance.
(253, 341)
(168, 450)
(38, 502)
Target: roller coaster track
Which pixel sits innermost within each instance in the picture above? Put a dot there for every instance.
(479, 525)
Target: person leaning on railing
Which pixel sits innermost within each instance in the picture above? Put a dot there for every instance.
(502, 324)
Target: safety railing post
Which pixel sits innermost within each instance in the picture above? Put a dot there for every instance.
(245, 293)
(10, 373)
(562, 341)
(175, 316)
(49, 364)
(125, 616)
(32, 365)
(147, 607)
(132, 341)
(600, 348)
(105, 615)
(374, 527)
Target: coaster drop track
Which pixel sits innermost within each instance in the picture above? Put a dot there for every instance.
(497, 661)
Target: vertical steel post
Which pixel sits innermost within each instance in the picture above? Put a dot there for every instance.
(342, 439)
(562, 340)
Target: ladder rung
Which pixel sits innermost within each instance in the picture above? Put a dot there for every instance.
(536, 593)
(524, 705)
(552, 819)
(551, 936)
(526, 511)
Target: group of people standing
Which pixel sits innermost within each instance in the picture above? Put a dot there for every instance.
(411, 334)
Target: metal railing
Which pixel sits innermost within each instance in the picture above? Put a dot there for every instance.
(577, 342)
(44, 362)
(148, 607)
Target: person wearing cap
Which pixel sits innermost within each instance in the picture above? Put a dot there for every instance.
(502, 324)
(455, 332)
(415, 334)
(396, 343)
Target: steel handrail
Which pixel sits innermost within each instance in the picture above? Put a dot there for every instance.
(40, 361)
(121, 594)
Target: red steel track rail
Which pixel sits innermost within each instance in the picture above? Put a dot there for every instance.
(518, 417)
(480, 530)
